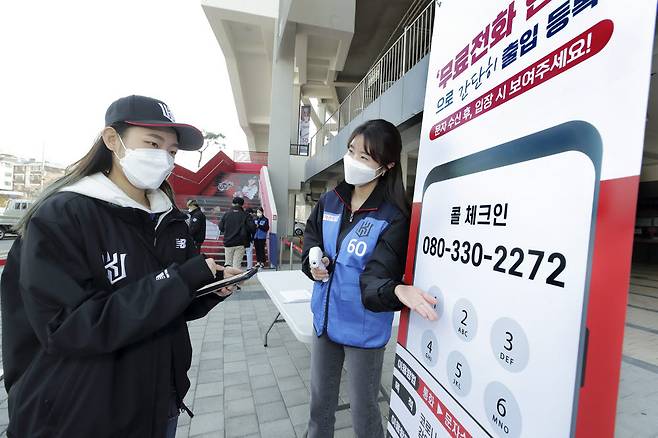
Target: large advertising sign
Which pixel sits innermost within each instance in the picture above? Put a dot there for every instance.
(523, 218)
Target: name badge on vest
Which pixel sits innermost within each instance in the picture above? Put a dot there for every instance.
(329, 217)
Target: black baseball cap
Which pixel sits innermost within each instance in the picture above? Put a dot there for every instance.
(238, 201)
(148, 112)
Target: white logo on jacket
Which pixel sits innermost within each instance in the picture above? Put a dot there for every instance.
(181, 243)
(162, 275)
(115, 266)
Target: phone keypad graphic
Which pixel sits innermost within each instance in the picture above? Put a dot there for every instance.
(507, 251)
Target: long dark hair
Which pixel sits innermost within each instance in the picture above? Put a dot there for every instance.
(98, 159)
(382, 141)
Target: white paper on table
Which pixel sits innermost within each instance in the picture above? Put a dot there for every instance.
(295, 296)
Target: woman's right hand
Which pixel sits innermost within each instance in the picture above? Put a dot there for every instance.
(320, 274)
(228, 273)
(417, 300)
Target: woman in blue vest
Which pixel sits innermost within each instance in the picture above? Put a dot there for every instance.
(362, 228)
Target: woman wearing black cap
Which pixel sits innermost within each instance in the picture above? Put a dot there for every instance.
(97, 290)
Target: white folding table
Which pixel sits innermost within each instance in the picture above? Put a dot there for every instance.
(298, 314)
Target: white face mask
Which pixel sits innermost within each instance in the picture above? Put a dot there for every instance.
(146, 168)
(357, 173)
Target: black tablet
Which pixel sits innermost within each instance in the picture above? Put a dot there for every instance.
(213, 287)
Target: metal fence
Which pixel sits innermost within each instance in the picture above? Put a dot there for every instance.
(293, 250)
(406, 51)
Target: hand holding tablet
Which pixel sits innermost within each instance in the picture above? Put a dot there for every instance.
(233, 279)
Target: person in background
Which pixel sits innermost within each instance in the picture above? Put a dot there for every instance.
(237, 227)
(362, 228)
(250, 249)
(197, 223)
(260, 237)
(98, 289)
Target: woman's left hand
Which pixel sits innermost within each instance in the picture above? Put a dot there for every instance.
(417, 300)
(228, 273)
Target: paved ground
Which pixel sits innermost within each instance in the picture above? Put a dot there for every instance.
(271, 398)
(637, 408)
(240, 388)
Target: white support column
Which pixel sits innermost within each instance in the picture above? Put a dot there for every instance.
(301, 49)
(282, 120)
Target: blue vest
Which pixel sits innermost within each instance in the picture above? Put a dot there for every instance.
(260, 234)
(336, 304)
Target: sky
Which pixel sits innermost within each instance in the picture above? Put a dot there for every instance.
(63, 63)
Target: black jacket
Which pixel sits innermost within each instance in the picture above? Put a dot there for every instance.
(385, 268)
(238, 227)
(94, 310)
(198, 226)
